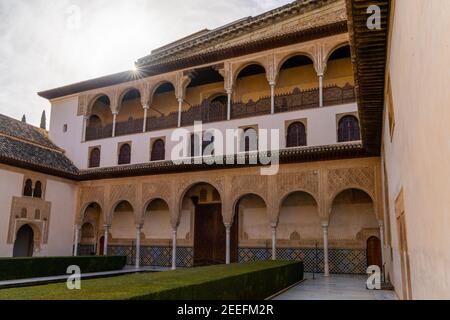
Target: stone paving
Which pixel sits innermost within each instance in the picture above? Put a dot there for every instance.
(336, 287)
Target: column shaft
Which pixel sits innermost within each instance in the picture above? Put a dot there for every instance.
(138, 247)
(229, 105)
(228, 244)
(114, 125)
(325, 252)
(180, 109)
(105, 244)
(77, 241)
(274, 243)
(174, 249)
(320, 90)
(272, 97)
(144, 129)
(85, 120)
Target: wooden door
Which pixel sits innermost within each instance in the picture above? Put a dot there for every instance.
(210, 236)
(101, 246)
(374, 255)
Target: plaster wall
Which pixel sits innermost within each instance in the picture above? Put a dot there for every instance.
(417, 156)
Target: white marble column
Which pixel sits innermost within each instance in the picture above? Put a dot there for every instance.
(180, 110)
(228, 243)
(272, 97)
(114, 124)
(320, 90)
(230, 95)
(138, 246)
(174, 248)
(85, 122)
(326, 265)
(146, 108)
(105, 244)
(77, 240)
(274, 243)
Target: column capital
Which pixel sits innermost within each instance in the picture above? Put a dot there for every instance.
(107, 226)
(146, 106)
(139, 227)
(272, 83)
(78, 227)
(325, 226)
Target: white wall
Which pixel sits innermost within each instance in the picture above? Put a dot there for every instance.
(62, 196)
(321, 130)
(418, 158)
(10, 186)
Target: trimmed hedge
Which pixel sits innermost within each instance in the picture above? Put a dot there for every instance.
(252, 281)
(25, 268)
(262, 280)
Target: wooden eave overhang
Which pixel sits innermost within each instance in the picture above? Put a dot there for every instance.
(369, 54)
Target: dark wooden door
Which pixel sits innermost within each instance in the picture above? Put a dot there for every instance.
(210, 236)
(374, 256)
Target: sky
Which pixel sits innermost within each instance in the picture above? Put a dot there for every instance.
(45, 44)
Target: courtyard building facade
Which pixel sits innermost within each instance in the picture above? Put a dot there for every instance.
(272, 137)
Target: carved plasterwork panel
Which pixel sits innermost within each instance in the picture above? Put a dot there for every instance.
(307, 181)
(347, 178)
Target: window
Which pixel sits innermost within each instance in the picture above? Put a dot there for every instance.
(23, 213)
(296, 135)
(94, 158)
(37, 214)
(196, 144)
(349, 129)
(250, 140)
(203, 195)
(37, 193)
(158, 151)
(65, 128)
(28, 188)
(125, 154)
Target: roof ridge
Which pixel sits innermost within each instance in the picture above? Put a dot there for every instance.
(37, 144)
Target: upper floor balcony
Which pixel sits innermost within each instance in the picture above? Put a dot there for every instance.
(210, 95)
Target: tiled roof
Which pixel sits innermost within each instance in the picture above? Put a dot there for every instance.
(14, 128)
(26, 146)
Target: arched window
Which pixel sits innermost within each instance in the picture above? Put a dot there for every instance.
(296, 135)
(94, 158)
(349, 129)
(28, 188)
(221, 99)
(250, 140)
(125, 154)
(37, 193)
(95, 122)
(24, 213)
(37, 214)
(158, 151)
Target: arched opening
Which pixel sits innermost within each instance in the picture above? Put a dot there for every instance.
(124, 154)
(37, 192)
(123, 231)
(199, 107)
(339, 68)
(352, 222)
(374, 252)
(251, 92)
(254, 229)
(297, 72)
(348, 129)
(28, 188)
(24, 244)
(130, 117)
(299, 230)
(201, 202)
(158, 151)
(91, 230)
(94, 158)
(100, 121)
(296, 135)
(157, 221)
(163, 111)
(88, 238)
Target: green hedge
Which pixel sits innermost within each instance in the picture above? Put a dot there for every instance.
(25, 268)
(253, 281)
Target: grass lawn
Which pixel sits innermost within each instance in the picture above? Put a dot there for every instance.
(216, 282)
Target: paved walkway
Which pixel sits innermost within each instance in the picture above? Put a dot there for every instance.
(337, 287)
(47, 280)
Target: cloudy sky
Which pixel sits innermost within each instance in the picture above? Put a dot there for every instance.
(46, 44)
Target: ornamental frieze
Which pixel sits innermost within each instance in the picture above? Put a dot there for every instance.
(345, 178)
